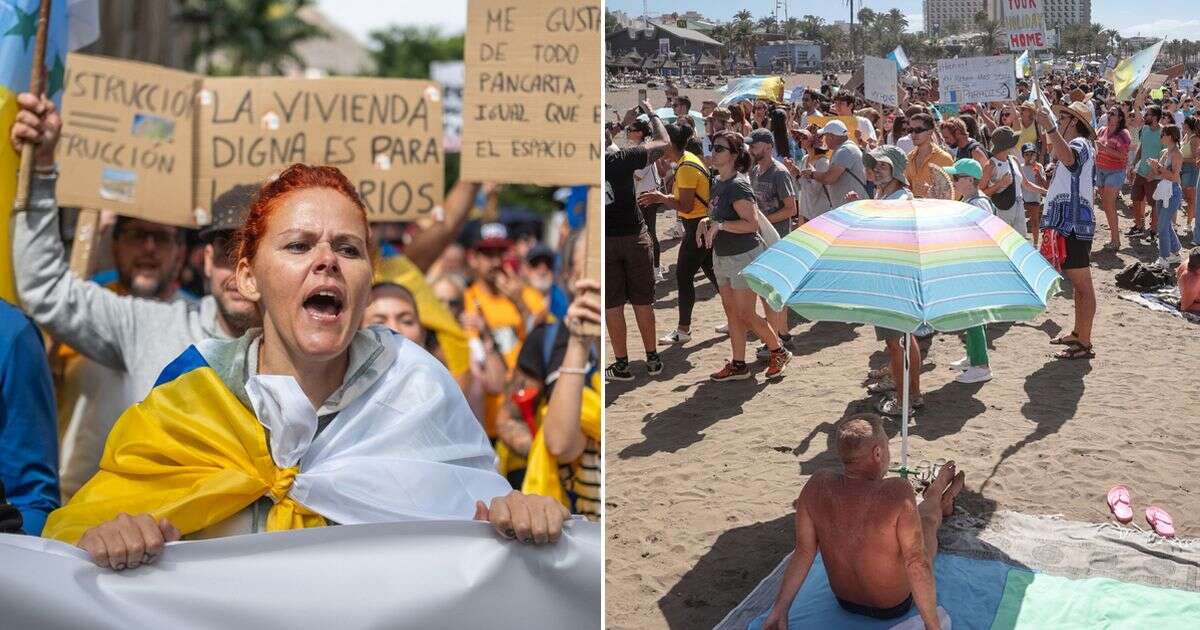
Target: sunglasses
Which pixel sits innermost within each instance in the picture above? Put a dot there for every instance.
(719, 148)
(919, 129)
(961, 177)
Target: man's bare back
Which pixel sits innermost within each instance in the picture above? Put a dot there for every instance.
(876, 543)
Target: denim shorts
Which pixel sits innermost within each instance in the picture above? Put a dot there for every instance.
(1110, 179)
(1189, 175)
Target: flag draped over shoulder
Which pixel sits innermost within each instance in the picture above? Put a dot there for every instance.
(407, 447)
(1131, 72)
(754, 88)
(190, 452)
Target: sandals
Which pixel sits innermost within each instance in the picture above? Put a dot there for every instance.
(1119, 504)
(1076, 351)
(1065, 340)
(1160, 521)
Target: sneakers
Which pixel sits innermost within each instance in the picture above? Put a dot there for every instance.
(1174, 259)
(674, 337)
(723, 329)
(654, 364)
(1162, 263)
(975, 374)
(1135, 231)
(777, 361)
(618, 371)
(892, 407)
(733, 371)
(961, 365)
(884, 386)
(659, 275)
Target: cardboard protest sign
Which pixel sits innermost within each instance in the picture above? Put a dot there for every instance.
(977, 79)
(127, 139)
(384, 134)
(1175, 71)
(880, 81)
(1025, 23)
(532, 101)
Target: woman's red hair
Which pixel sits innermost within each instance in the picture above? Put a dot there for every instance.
(294, 178)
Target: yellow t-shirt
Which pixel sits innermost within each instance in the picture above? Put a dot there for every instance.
(694, 178)
(507, 328)
(1028, 135)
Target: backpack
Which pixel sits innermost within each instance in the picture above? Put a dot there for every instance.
(1144, 278)
(1005, 198)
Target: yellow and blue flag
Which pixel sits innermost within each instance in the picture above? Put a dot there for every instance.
(1133, 71)
(192, 453)
(72, 25)
(753, 89)
(1022, 65)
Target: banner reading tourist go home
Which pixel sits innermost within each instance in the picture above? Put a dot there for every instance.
(1025, 23)
(159, 144)
(532, 102)
(418, 574)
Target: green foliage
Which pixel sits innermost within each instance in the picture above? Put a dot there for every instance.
(405, 51)
(246, 37)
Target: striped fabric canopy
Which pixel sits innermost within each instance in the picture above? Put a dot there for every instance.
(906, 264)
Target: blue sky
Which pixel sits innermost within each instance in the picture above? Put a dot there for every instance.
(1172, 19)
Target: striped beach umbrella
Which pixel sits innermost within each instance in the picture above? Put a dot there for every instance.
(919, 265)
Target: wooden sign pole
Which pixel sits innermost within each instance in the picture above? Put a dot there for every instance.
(37, 85)
(87, 235)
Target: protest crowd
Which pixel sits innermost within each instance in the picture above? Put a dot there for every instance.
(478, 324)
(1047, 166)
(732, 177)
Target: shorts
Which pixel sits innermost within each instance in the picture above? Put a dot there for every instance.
(1189, 176)
(628, 270)
(1110, 179)
(1015, 217)
(1079, 253)
(1143, 189)
(728, 268)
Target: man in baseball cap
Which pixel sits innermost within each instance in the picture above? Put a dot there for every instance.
(846, 173)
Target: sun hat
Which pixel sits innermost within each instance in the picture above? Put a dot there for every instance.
(1080, 112)
(1003, 138)
(891, 156)
(834, 128)
(967, 167)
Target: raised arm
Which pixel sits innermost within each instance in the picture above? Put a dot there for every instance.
(564, 437)
(428, 244)
(93, 320)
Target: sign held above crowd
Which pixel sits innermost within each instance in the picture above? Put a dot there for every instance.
(879, 81)
(977, 79)
(160, 144)
(532, 102)
(1025, 23)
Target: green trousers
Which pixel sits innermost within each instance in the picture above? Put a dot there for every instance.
(977, 346)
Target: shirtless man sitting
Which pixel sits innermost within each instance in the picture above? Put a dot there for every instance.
(877, 544)
(1189, 283)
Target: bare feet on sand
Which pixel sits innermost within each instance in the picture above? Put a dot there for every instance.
(946, 485)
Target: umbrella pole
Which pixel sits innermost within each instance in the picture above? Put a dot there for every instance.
(904, 412)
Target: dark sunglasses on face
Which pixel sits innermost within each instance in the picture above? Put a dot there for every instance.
(919, 129)
(720, 148)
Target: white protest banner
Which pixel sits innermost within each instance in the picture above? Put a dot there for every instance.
(420, 574)
(532, 102)
(450, 74)
(879, 80)
(1025, 23)
(977, 79)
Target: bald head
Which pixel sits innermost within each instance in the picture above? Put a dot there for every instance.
(858, 435)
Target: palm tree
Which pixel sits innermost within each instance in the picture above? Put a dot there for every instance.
(810, 28)
(251, 37)
(768, 24)
(851, 3)
(896, 23)
(990, 37)
(743, 16)
(791, 28)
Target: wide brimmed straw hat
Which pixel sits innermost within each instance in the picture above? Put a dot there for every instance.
(1080, 112)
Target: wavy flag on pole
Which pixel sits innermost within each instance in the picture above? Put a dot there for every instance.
(752, 89)
(1038, 98)
(1022, 65)
(900, 58)
(72, 25)
(1133, 71)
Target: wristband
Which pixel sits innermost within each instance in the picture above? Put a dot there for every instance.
(567, 370)
(46, 170)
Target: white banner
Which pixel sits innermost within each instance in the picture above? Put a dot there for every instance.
(879, 81)
(451, 75)
(1025, 23)
(392, 575)
(977, 79)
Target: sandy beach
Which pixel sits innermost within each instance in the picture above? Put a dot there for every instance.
(701, 475)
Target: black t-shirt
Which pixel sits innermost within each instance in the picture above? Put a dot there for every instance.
(622, 217)
(967, 151)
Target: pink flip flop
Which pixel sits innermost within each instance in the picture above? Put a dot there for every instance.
(1119, 504)
(1160, 521)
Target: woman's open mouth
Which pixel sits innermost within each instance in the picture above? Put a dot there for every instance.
(324, 304)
